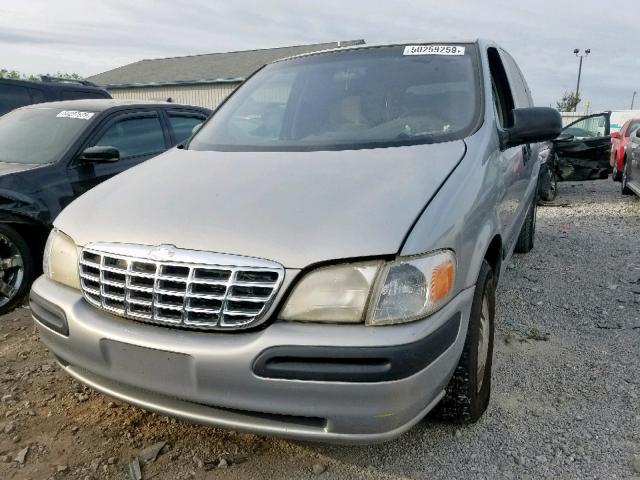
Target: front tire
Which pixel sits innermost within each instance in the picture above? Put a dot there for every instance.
(17, 268)
(548, 186)
(467, 394)
(527, 233)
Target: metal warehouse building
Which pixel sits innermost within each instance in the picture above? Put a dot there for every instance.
(203, 80)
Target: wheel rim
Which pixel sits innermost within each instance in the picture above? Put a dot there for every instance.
(11, 270)
(624, 176)
(483, 341)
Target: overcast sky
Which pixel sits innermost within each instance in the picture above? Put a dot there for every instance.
(89, 37)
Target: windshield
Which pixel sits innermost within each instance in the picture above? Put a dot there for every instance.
(363, 98)
(39, 135)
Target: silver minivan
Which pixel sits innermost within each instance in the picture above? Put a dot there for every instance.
(320, 260)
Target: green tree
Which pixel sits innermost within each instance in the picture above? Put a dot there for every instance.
(12, 74)
(569, 102)
(15, 75)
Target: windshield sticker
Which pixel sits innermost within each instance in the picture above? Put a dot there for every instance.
(75, 114)
(433, 50)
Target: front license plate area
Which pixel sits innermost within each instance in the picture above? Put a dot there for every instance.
(157, 370)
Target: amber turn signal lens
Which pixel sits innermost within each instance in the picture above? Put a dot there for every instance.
(441, 281)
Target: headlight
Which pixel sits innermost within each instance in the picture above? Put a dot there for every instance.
(332, 294)
(411, 289)
(60, 260)
(376, 292)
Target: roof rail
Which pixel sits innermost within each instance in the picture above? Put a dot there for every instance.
(51, 79)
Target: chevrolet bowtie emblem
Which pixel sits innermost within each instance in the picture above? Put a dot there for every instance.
(163, 252)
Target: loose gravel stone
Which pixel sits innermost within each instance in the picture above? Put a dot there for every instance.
(21, 456)
(9, 427)
(319, 468)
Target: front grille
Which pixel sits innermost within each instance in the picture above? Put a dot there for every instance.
(189, 289)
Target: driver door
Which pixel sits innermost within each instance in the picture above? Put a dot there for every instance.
(584, 148)
(138, 136)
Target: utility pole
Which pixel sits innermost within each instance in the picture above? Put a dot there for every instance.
(633, 99)
(577, 54)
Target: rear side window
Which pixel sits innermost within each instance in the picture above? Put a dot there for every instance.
(135, 136)
(183, 125)
(13, 96)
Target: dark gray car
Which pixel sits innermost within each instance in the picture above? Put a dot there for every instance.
(320, 261)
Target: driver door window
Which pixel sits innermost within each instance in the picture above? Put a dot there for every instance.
(589, 127)
(134, 137)
(502, 97)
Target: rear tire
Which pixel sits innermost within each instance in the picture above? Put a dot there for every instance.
(17, 269)
(616, 175)
(468, 392)
(527, 233)
(625, 179)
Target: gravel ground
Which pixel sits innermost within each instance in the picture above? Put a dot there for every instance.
(566, 385)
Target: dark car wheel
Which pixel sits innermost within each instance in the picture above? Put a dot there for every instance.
(616, 175)
(548, 186)
(625, 179)
(16, 268)
(528, 231)
(468, 392)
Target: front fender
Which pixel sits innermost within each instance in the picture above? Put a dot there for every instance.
(463, 215)
(16, 207)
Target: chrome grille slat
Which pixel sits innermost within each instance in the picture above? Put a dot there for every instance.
(190, 290)
(246, 299)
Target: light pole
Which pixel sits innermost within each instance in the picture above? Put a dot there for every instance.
(580, 56)
(633, 100)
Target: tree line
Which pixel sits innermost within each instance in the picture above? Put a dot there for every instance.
(16, 75)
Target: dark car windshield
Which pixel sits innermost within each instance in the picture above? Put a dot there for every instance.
(40, 135)
(362, 98)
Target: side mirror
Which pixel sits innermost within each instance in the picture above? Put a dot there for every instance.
(532, 125)
(615, 134)
(100, 154)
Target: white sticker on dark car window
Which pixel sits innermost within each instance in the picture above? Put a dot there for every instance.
(75, 114)
(433, 50)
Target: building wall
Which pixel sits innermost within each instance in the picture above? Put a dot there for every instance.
(204, 95)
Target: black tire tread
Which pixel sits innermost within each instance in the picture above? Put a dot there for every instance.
(624, 189)
(462, 403)
(527, 233)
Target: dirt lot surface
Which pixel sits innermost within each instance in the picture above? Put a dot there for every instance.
(566, 392)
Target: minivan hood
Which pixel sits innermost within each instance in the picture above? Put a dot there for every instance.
(296, 208)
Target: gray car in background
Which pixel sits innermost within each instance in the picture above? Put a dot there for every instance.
(320, 260)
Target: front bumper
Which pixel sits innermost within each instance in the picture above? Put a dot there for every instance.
(210, 377)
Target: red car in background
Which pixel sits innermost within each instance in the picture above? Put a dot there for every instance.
(619, 147)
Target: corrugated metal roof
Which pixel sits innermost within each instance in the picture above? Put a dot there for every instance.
(207, 68)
